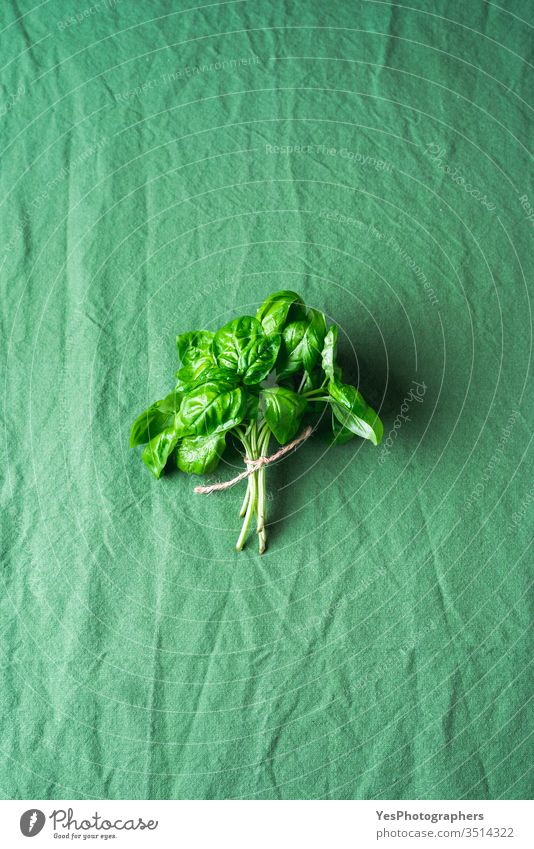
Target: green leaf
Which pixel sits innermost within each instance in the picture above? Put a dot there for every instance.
(242, 346)
(253, 400)
(212, 407)
(329, 352)
(275, 309)
(152, 421)
(341, 433)
(195, 347)
(283, 412)
(315, 337)
(171, 403)
(290, 358)
(198, 455)
(352, 410)
(148, 424)
(264, 361)
(190, 377)
(314, 380)
(158, 450)
(302, 344)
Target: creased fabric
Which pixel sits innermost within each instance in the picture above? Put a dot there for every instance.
(164, 168)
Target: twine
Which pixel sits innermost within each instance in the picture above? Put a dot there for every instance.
(254, 465)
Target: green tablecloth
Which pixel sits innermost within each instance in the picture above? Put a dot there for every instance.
(165, 167)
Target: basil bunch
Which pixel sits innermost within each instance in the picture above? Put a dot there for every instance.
(219, 392)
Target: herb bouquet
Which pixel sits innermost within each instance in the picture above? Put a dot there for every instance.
(253, 379)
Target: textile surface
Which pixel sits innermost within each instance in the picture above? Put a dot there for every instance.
(165, 166)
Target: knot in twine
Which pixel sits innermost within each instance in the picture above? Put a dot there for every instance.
(254, 465)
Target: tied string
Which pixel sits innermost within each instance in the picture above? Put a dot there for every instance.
(254, 465)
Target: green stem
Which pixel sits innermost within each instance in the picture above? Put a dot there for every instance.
(256, 444)
(312, 392)
(248, 515)
(262, 430)
(249, 507)
(262, 512)
(302, 382)
(245, 500)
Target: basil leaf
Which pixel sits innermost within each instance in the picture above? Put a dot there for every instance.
(156, 453)
(148, 424)
(212, 407)
(289, 358)
(274, 311)
(199, 455)
(264, 360)
(253, 400)
(314, 380)
(171, 403)
(329, 352)
(302, 344)
(315, 337)
(187, 376)
(195, 347)
(152, 421)
(341, 433)
(283, 412)
(352, 410)
(242, 346)
(190, 377)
